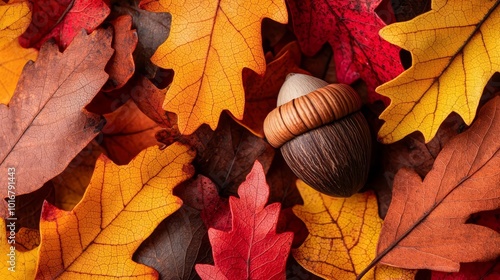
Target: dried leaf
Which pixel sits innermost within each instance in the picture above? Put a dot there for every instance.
(252, 249)
(227, 155)
(63, 20)
(176, 245)
(261, 93)
(121, 207)
(14, 19)
(342, 237)
(351, 28)
(209, 44)
(121, 67)
(44, 119)
(454, 53)
(16, 264)
(127, 132)
(425, 225)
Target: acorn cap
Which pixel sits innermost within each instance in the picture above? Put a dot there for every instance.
(300, 113)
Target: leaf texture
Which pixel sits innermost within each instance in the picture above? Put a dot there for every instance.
(252, 249)
(14, 19)
(425, 225)
(121, 207)
(342, 237)
(24, 263)
(455, 52)
(351, 28)
(44, 119)
(209, 44)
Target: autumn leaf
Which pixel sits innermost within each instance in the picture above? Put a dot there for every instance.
(425, 225)
(62, 20)
(16, 264)
(343, 234)
(14, 19)
(152, 29)
(252, 249)
(176, 245)
(227, 154)
(127, 132)
(121, 67)
(261, 93)
(351, 28)
(210, 42)
(121, 207)
(44, 119)
(454, 53)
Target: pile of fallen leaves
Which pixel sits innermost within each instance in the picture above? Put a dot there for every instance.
(131, 139)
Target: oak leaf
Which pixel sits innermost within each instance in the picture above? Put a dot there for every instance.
(454, 53)
(179, 242)
(24, 263)
(252, 249)
(351, 28)
(343, 234)
(121, 67)
(44, 119)
(425, 225)
(227, 154)
(261, 93)
(63, 20)
(14, 19)
(121, 207)
(210, 42)
(127, 132)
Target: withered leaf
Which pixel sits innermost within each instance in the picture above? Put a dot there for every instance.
(44, 126)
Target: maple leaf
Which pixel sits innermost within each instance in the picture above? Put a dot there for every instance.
(121, 67)
(351, 28)
(342, 237)
(454, 55)
(209, 44)
(23, 263)
(252, 249)
(62, 20)
(176, 245)
(14, 18)
(44, 119)
(121, 207)
(425, 225)
(261, 93)
(127, 132)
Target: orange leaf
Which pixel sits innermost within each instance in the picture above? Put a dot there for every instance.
(425, 225)
(127, 132)
(45, 119)
(261, 93)
(121, 207)
(24, 263)
(14, 19)
(342, 237)
(210, 43)
(455, 52)
(121, 67)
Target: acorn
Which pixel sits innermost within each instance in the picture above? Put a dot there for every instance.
(323, 136)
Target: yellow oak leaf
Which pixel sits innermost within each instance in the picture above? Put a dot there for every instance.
(210, 43)
(14, 19)
(455, 51)
(120, 208)
(343, 236)
(23, 263)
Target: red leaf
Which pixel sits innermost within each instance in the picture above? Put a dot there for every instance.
(351, 28)
(62, 20)
(252, 249)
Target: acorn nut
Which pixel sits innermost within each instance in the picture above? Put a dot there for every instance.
(323, 136)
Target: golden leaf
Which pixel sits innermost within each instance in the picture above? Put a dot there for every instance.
(24, 263)
(455, 51)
